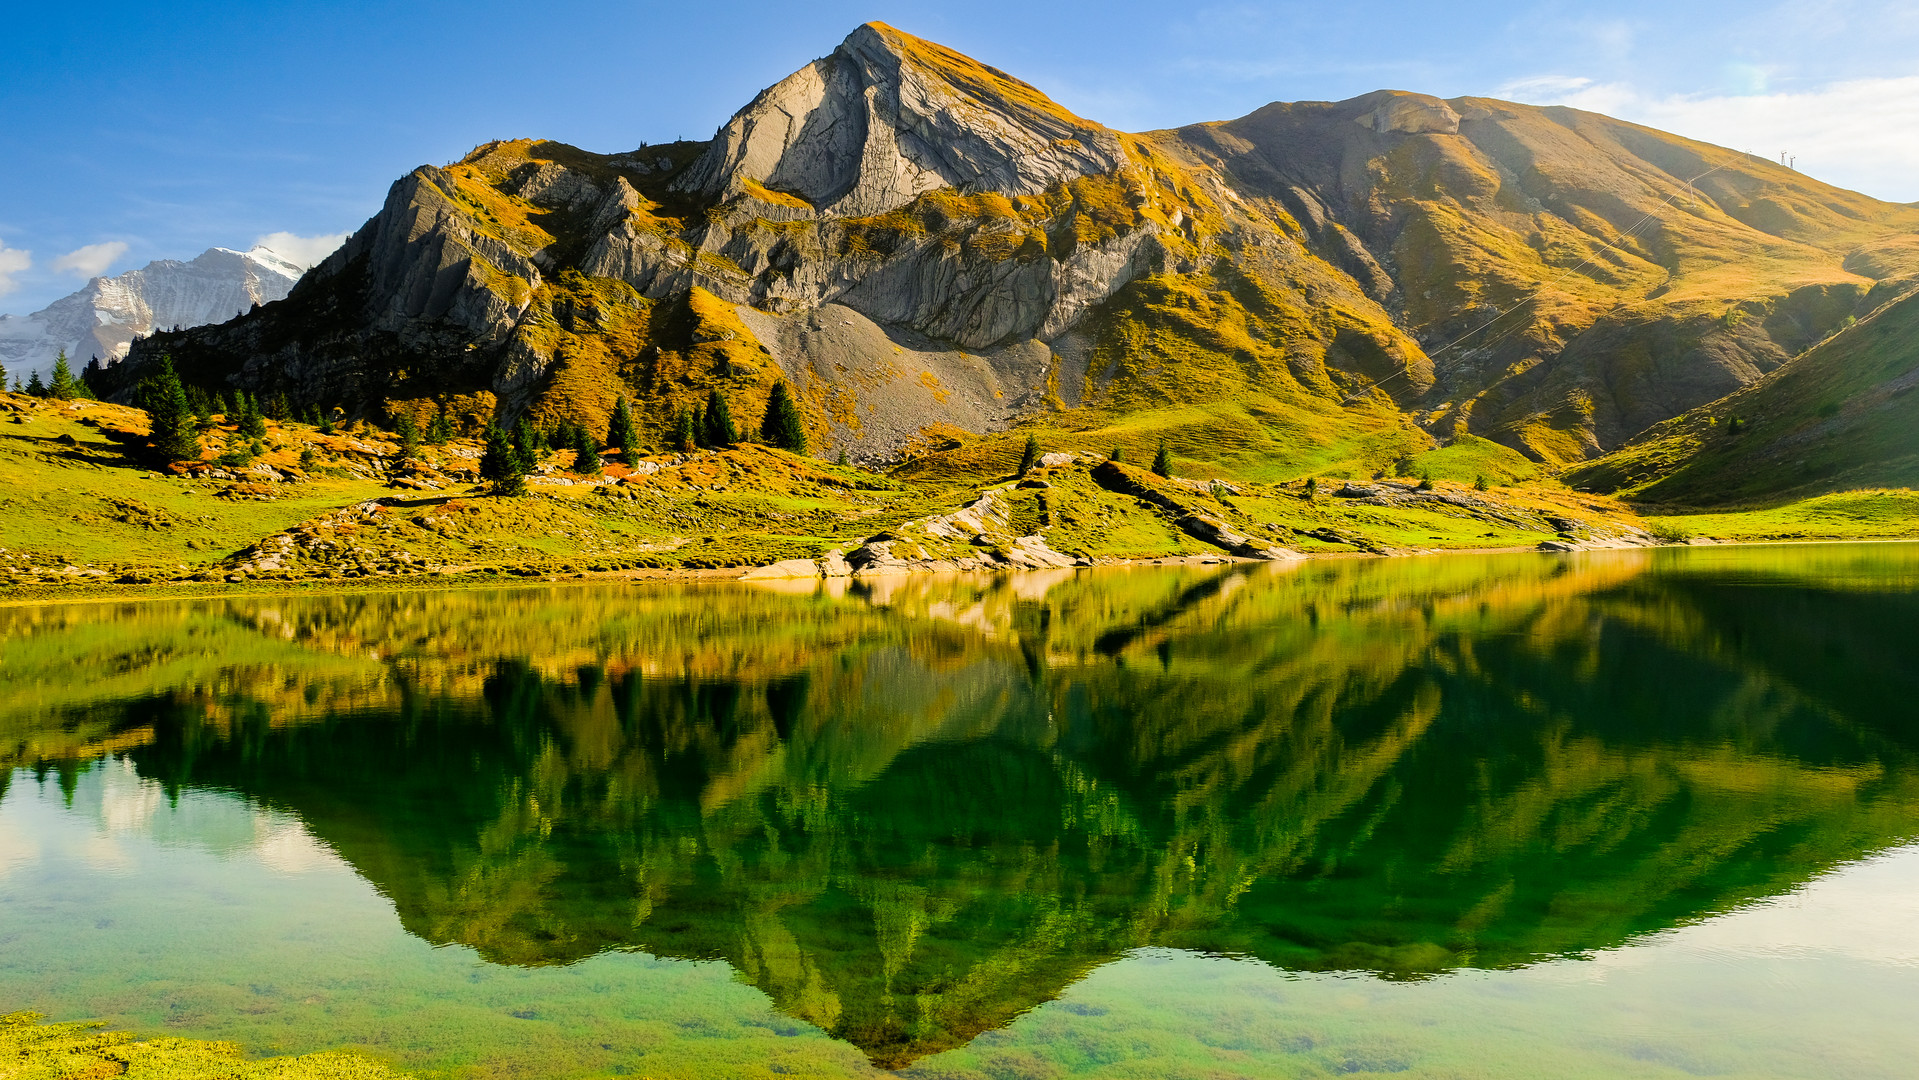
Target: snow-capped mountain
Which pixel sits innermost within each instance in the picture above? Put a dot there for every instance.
(103, 318)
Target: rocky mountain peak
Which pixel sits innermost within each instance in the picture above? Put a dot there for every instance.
(889, 117)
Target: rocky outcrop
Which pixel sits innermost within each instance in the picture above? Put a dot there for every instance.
(888, 118)
(976, 537)
(1192, 519)
(1412, 114)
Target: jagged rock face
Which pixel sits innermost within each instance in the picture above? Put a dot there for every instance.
(102, 319)
(887, 118)
(924, 246)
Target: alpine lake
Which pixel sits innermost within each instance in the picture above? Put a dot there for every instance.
(1615, 814)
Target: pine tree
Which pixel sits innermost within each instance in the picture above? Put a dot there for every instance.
(719, 422)
(782, 426)
(441, 428)
(35, 386)
(1029, 457)
(1163, 461)
(252, 424)
(502, 464)
(197, 402)
(409, 434)
(1119, 454)
(620, 431)
(586, 455)
(277, 409)
(686, 436)
(527, 445)
(165, 401)
(63, 384)
(698, 413)
(326, 420)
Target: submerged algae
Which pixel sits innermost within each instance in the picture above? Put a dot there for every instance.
(33, 1050)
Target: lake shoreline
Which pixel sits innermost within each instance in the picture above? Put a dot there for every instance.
(92, 592)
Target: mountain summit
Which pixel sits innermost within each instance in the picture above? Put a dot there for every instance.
(888, 118)
(929, 251)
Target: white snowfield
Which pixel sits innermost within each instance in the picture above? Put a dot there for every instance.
(103, 318)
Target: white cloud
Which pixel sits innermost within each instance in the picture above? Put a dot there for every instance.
(90, 261)
(304, 252)
(1853, 134)
(12, 261)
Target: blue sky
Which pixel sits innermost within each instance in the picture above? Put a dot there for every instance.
(130, 132)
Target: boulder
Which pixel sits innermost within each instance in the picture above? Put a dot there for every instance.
(790, 568)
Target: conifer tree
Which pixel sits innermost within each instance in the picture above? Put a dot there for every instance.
(1163, 461)
(719, 422)
(409, 434)
(1119, 454)
(62, 387)
(586, 455)
(501, 463)
(277, 409)
(782, 426)
(197, 402)
(698, 413)
(36, 387)
(173, 437)
(252, 424)
(687, 435)
(527, 445)
(440, 429)
(1029, 457)
(620, 431)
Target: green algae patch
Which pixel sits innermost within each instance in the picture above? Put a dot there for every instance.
(33, 1050)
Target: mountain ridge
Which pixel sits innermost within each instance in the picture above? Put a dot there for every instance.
(933, 252)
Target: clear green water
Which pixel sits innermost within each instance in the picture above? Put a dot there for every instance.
(1643, 814)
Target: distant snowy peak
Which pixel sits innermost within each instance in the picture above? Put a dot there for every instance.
(270, 258)
(103, 318)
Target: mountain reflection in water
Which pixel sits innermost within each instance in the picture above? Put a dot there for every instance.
(911, 812)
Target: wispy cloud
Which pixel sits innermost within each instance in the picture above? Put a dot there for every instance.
(302, 251)
(1851, 133)
(13, 261)
(89, 261)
